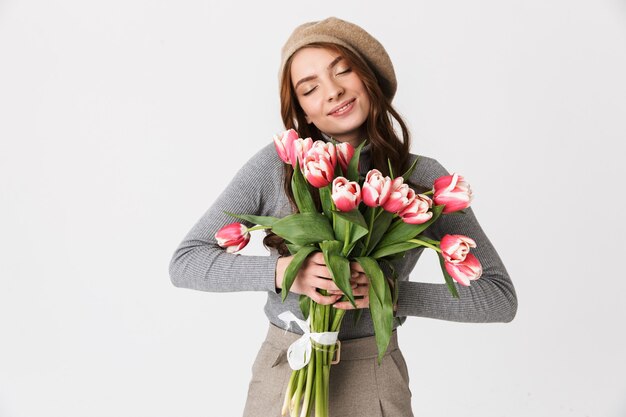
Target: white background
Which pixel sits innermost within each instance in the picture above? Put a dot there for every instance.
(121, 121)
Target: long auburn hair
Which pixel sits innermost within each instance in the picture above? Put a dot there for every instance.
(379, 128)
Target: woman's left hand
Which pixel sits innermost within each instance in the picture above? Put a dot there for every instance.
(360, 292)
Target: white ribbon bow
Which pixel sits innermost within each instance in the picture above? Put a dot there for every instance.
(299, 353)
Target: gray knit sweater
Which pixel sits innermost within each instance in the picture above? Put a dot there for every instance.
(257, 188)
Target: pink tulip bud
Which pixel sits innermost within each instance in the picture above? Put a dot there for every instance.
(466, 271)
(398, 196)
(300, 148)
(417, 210)
(374, 188)
(460, 264)
(233, 237)
(318, 169)
(326, 149)
(345, 151)
(453, 192)
(346, 194)
(455, 247)
(284, 145)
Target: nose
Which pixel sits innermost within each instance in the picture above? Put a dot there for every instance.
(335, 91)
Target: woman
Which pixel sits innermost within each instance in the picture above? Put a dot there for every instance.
(336, 81)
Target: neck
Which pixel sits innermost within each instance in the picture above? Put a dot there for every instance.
(354, 142)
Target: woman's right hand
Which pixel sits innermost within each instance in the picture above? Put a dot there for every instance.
(313, 275)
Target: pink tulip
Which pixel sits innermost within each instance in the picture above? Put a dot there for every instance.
(460, 264)
(326, 149)
(233, 237)
(300, 148)
(344, 155)
(284, 145)
(455, 247)
(346, 194)
(318, 169)
(374, 186)
(397, 196)
(466, 271)
(452, 191)
(417, 210)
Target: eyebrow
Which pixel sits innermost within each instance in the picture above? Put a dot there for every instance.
(311, 77)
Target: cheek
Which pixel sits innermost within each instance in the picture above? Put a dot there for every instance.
(310, 107)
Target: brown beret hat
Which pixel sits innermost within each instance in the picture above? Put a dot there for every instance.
(351, 36)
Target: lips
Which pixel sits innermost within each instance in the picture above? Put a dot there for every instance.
(345, 103)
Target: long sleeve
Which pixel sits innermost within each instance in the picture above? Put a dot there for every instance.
(200, 263)
(491, 298)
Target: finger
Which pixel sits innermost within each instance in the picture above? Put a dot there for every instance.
(361, 280)
(323, 299)
(361, 290)
(318, 258)
(324, 284)
(355, 266)
(346, 305)
(338, 291)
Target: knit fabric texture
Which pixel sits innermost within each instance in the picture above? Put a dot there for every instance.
(199, 263)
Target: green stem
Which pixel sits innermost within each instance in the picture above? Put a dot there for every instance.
(373, 215)
(429, 192)
(338, 316)
(425, 239)
(297, 397)
(290, 390)
(421, 242)
(346, 239)
(259, 227)
(319, 388)
(308, 392)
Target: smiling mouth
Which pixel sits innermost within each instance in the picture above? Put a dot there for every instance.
(343, 108)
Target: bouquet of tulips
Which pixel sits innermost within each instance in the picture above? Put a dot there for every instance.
(390, 222)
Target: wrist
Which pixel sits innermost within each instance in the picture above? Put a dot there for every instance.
(278, 275)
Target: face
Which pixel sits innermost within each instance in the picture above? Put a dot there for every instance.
(331, 94)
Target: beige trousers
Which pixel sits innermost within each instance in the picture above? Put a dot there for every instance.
(358, 385)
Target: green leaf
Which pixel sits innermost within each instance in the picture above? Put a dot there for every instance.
(340, 270)
(382, 318)
(327, 201)
(357, 316)
(359, 247)
(390, 169)
(305, 304)
(447, 277)
(395, 291)
(409, 171)
(293, 248)
(395, 248)
(401, 231)
(331, 246)
(304, 228)
(374, 274)
(353, 216)
(340, 224)
(301, 192)
(260, 220)
(381, 225)
(338, 266)
(294, 266)
(356, 218)
(353, 165)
